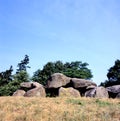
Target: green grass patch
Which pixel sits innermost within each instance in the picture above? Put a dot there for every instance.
(102, 103)
(75, 101)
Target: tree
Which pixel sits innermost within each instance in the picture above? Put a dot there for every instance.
(22, 76)
(6, 77)
(9, 88)
(114, 72)
(10, 83)
(23, 65)
(113, 75)
(21, 73)
(77, 69)
(74, 69)
(42, 75)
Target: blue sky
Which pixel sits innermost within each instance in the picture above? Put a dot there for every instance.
(66, 30)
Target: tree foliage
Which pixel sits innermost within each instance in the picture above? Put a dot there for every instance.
(113, 75)
(10, 83)
(23, 65)
(74, 69)
(6, 76)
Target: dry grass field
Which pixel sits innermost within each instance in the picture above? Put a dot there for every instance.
(59, 109)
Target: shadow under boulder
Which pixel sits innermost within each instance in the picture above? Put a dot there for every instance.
(52, 92)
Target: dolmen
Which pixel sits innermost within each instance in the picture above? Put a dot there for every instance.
(59, 81)
(30, 89)
(60, 85)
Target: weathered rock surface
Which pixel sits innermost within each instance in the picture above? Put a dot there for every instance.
(114, 89)
(26, 85)
(36, 84)
(90, 93)
(99, 92)
(57, 80)
(36, 92)
(19, 93)
(30, 89)
(68, 92)
(90, 87)
(30, 85)
(80, 83)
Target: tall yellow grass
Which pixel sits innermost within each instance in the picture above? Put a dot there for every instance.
(59, 109)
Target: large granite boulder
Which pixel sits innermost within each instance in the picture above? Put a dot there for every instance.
(113, 91)
(101, 92)
(80, 83)
(57, 80)
(36, 92)
(30, 85)
(19, 93)
(90, 93)
(98, 92)
(68, 92)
